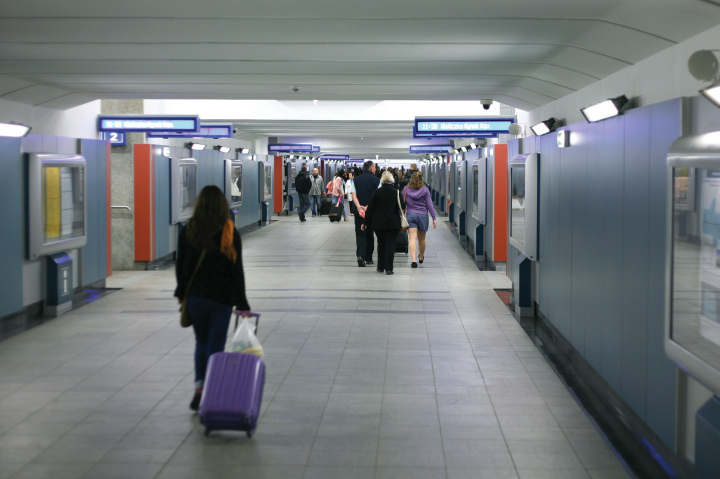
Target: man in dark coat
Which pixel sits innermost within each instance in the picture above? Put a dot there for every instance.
(408, 175)
(365, 186)
(303, 183)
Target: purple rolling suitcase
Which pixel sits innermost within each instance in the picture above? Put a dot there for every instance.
(233, 391)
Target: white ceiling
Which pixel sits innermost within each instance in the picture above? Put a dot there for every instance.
(525, 54)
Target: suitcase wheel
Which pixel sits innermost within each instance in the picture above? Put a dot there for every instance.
(250, 433)
(207, 432)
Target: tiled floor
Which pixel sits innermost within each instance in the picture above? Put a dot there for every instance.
(423, 374)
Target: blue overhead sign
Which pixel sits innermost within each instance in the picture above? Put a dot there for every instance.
(430, 148)
(148, 123)
(114, 137)
(461, 127)
(205, 131)
(291, 147)
(316, 149)
(335, 157)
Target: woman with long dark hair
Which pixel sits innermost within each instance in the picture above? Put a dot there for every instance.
(219, 283)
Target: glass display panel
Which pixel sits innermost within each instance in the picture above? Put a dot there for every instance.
(268, 180)
(517, 219)
(236, 182)
(63, 203)
(188, 190)
(292, 175)
(475, 189)
(695, 318)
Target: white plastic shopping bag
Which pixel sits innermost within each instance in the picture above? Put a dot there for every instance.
(245, 341)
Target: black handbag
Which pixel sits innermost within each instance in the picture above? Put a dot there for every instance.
(185, 319)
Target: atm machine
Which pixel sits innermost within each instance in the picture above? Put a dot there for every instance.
(692, 300)
(461, 200)
(477, 202)
(265, 190)
(523, 176)
(183, 189)
(233, 183)
(452, 191)
(442, 187)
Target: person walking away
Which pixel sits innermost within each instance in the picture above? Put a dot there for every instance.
(383, 216)
(303, 184)
(408, 175)
(338, 191)
(219, 283)
(317, 191)
(419, 204)
(365, 186)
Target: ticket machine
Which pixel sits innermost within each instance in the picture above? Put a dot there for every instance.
(233, 183)
(442, 180)
(692, 302)
(183, 189)
(523, 187)
(478, 203)
(452, 191)
(290, 173)
(461, 197)
(265, 190)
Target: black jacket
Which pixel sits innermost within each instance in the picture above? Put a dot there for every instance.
(365, 185)
(383, 212)
(303, 183)
(407, 177)
(218, 279)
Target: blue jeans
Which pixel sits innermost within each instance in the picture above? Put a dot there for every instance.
(210, 322)
(315, 200)
(342, 203)
(304, 203)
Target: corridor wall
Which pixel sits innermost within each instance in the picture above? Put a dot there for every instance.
(601, 269)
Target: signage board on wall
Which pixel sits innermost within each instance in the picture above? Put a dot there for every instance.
(290, 147)
(461, 127)
(114, 137)
(430, 148)
(335, 157)
(148, 123)
(204, 131)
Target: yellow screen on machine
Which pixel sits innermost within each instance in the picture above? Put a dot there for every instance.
(52, 206)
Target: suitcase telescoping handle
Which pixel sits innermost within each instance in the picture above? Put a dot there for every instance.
(254, 315)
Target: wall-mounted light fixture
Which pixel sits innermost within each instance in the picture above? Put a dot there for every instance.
(244, 151)
(704, 66)
(544, 127)
(606, 109)
(472, 146)
(15, 130)
(223, 149)
(196, 146)
(462, 149)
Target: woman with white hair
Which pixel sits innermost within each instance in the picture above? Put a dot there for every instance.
(383, 214)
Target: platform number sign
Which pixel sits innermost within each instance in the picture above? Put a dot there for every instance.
(114, 137)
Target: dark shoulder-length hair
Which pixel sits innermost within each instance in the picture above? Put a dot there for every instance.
(416, 182)
(211, 213)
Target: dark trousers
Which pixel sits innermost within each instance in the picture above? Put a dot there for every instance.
(210, 322)
(386, 248)
(304, 204)
(364, 239)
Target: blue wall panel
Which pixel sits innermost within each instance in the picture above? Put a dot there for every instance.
(611, 180)
(89, 256)
(162, 207)
(602, 256)
(635, 259)
(12, 233)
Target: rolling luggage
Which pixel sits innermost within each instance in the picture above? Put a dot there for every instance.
(232, 393)
(336, 210)
(402, 244)
(325, 205)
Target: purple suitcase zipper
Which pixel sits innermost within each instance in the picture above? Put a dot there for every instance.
(232, 393)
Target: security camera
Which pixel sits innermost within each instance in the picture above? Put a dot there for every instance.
(234, 130)
(486, 103)
(296, 89)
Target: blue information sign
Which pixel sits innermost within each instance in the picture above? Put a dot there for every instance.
(335, 157)
(114, 137)
(205, 131)
(316, 149)
(430, 148)
(148, 123)
(290, 147)
(461, 127)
